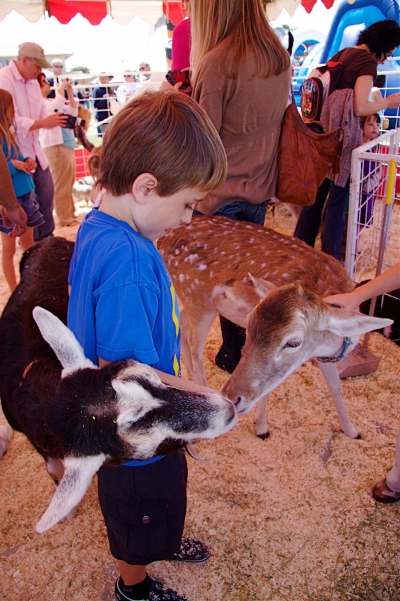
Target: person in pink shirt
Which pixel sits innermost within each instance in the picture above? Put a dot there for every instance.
(19, 78)
(181, 42)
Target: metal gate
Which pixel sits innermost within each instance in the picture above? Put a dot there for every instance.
(373, 232)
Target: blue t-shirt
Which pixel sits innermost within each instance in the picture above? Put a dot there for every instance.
(122, 304)
(21, 181)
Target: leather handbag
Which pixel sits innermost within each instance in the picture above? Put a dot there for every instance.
(305, 158)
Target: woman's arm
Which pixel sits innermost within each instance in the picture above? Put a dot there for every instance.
(71, 98)
(386, 282)
(362, 106)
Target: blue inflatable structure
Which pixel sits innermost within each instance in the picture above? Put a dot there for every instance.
(350, 19)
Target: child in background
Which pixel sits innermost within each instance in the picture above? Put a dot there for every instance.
(160, 156)
(20, 169)
(372, 173)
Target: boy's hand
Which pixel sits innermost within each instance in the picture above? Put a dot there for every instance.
(31, 164)
(20, 165)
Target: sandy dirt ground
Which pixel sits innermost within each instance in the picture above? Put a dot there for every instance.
(289, 518)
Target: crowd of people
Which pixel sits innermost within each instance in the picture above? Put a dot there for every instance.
(164, 156)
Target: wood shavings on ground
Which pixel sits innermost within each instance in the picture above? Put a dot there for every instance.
(289, 518)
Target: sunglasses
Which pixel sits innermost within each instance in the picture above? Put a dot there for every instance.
(58, 66)
(128, 75)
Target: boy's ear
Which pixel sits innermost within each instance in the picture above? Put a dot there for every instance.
(143, 186)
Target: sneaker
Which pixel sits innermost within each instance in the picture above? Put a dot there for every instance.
(192, 551)
(157, 592)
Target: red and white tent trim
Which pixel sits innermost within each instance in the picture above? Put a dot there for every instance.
(124, 10)
(95, 10)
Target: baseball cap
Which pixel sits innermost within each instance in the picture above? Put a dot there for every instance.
(128, 72)
(34, 52)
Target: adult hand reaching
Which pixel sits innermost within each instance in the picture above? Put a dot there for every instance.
(393, 101)
(16, 216)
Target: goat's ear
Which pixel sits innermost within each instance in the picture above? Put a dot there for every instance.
(262, 287)
(62, 341)
(352, 323)
(78, 475)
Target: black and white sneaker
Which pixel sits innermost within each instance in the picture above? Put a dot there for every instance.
(157, 592)
(192, 551)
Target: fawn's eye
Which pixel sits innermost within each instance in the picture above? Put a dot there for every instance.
(292, 344)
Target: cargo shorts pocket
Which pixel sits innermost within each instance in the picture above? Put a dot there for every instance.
(143, 526)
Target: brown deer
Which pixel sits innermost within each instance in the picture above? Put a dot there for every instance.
(273, 285)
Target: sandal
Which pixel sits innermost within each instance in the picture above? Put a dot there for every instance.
(383, 494)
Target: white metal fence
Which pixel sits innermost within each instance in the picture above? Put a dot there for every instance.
(373, 232)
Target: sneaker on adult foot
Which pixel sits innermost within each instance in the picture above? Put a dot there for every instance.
(157, 592)
(192, 551)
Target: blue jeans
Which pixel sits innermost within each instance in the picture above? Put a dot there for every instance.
(310, 218)
(234, 336)
(240, 210)
(45, 197)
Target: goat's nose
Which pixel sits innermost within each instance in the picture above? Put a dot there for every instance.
(237, 400)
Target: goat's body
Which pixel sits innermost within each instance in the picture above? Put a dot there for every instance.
(77, 415)
(222, 266)
(29, 370)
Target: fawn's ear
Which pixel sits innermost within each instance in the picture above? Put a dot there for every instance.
(262, 287)
(78, 475)
(62, 341)
(351, 323)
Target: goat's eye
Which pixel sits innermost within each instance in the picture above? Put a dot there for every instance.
(292, 344)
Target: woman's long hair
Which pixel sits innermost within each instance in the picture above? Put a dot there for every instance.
(243, 24)
(6, 135)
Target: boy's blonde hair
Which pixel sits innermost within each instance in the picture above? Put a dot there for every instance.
(6, 135)
(244, 26)
(168, 135)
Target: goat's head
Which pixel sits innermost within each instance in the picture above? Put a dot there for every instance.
(120, 412)
(288, 327)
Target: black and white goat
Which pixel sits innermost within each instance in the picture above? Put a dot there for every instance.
(75, 414)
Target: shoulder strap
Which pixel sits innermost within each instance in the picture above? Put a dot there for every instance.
(336, 67)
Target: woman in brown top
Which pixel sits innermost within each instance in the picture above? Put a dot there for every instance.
(241, 78)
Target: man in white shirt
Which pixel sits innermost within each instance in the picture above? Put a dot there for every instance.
(19, 78)
(127, 90)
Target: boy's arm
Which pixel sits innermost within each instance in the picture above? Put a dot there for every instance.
(170, 380)
(386, 282)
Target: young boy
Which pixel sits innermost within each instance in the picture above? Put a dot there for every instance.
(160, 156)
